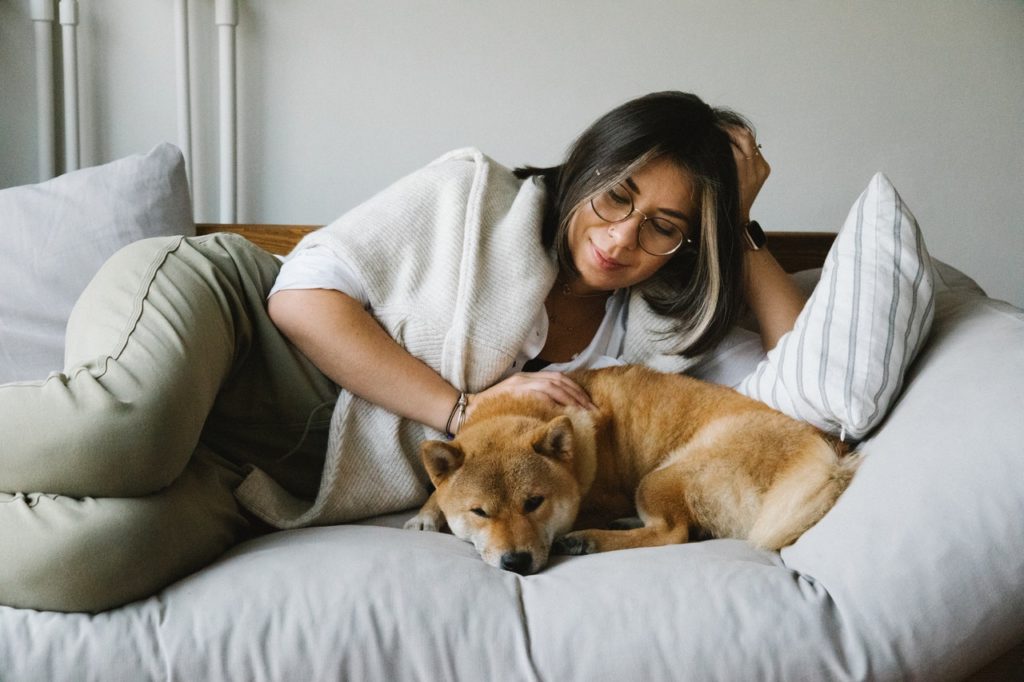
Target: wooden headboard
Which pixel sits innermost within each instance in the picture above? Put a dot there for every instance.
(794, 250)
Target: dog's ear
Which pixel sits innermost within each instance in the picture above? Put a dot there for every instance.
(555, 439)
(440, 459)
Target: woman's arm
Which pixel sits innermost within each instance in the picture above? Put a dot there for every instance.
(773, 297)
(344, 341)
(348, 345)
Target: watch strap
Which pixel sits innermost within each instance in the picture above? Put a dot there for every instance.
(754, 235)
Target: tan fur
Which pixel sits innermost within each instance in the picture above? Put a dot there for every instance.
(685, 456)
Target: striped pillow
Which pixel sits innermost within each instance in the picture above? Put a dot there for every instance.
(842, 365)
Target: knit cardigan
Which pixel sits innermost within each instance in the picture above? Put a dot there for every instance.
(455, 272)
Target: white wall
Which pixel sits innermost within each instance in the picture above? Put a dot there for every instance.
(339, 98)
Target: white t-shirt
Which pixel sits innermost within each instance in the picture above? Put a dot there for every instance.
(318, 268)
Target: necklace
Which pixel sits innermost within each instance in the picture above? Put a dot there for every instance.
(573, 319)
(570, 315)
(566, 290)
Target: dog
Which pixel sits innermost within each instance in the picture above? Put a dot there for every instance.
(689, 458)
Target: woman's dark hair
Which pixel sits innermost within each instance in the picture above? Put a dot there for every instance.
(700, 287)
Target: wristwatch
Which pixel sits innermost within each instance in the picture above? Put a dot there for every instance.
(754, 235)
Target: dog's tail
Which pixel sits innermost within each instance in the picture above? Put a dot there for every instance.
(802, 496)
(844, 471)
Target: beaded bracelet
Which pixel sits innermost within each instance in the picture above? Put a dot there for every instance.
(460, 409)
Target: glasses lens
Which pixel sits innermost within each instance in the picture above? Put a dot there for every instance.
(660, 237)
(613, 205)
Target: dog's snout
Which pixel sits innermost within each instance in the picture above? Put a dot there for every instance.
(517, 562)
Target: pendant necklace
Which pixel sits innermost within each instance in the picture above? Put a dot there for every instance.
(566, 291)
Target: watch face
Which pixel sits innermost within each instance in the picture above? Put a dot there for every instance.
(755, 235)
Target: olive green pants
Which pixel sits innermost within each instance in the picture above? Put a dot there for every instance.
(117, 474)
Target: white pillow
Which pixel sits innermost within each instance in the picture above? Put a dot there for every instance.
(842, 365)
(58, 233)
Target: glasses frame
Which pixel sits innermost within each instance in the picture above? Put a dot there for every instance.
(683, 238)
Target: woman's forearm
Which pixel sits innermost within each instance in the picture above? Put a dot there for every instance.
(348, 345)
(772, 295)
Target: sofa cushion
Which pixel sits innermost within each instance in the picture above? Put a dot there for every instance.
(57, 234)
(843, 363)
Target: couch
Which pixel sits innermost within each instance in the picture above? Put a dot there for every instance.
(916, 573)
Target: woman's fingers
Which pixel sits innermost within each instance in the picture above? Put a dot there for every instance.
(563, 390)
(752, 168)
(743, 141)
(554, 386)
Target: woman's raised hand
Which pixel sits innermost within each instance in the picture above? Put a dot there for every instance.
(554, 386)
(751, 167)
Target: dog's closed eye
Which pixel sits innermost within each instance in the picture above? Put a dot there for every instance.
(532, 503)
(479, 512)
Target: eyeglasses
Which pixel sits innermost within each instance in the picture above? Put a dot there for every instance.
(656, 236)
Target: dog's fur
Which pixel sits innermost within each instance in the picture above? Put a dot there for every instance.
(689, 458)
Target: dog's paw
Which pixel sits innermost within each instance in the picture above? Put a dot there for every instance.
(573, 544)
(423, 522)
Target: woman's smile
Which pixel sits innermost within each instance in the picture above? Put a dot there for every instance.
(603, 261)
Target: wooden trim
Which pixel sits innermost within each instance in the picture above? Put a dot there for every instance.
(277, 239)
(794, 250)
(797, 251)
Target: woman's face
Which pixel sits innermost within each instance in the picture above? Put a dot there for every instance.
(608, 255)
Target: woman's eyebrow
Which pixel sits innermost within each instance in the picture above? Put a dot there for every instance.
(676, 214)
(667, 211)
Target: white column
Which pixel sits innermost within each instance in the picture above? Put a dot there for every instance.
(227, 21)
(184, 84)
(69, 27)
(43, 16)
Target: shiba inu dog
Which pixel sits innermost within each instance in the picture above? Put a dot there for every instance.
(689, 458)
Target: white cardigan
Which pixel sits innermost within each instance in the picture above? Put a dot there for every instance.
(455, 271)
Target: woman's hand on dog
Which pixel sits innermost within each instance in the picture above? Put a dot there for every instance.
(554, 386)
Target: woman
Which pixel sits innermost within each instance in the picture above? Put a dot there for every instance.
(665, 156)
(185, 413)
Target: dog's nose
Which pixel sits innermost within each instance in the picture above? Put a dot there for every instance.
(517, 562)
